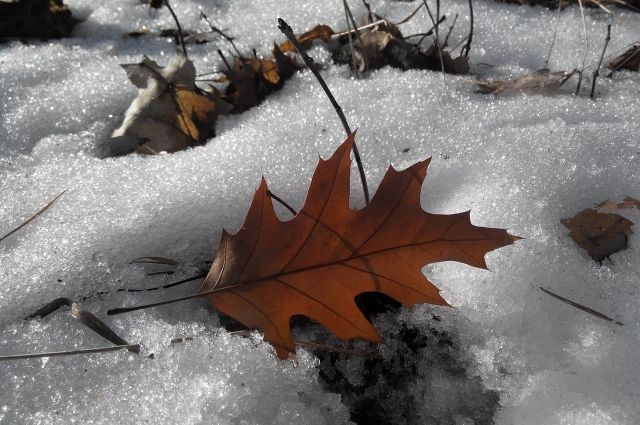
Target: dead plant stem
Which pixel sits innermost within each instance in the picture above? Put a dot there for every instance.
(596, 73)
(179, 28)
(288, 32)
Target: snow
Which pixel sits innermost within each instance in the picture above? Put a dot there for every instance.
(520, 163)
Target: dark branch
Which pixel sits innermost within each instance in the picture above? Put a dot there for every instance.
(288, 32)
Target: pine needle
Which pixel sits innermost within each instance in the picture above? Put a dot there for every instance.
(581, 307)
(33, 217)
(131, 347)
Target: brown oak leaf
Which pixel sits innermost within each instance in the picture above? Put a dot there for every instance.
(318, 262)
(600, 234)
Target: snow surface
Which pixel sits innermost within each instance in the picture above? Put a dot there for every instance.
(520, 163)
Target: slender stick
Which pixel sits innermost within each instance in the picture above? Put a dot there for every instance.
(411, 15)
(130, 347)
(586, 46)
(33, 217)
(282, 202)
(553, 39)
(597, 71)
(121, 310)
(353, 51)
(369, 12)
(446, 39)
(581, 307)
(224, 59)
(436, 37)
(219, 31)
(288, 32)
(428, 33)
(355, 27)
(467, 47)
(180, 37)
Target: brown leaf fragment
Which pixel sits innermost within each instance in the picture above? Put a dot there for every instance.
(319, 32)
(315, 264)
(251, 80)
(384, 45)
(600, 234)
(170, 112)
(627, 204)
(629, 59)
(542, 82)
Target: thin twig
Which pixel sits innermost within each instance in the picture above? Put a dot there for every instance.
(282, 202)
(219, 31)
(428, 33)
(436, 37)
(581, 307)
(288, 32)
(446, 39)
(369, 12)
(353, 51)
(467, 47)
(553, 39)
(355, 27)
(33, 217)
(411, 15)
(130, 347)
(223, 59)
(597, 71)
(586, 47)
(180, 36)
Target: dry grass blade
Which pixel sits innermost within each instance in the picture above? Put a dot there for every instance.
(96, 325)
(581, 307)
(33, 217)
(85, 317)
(155, 260)
(596, 73)
(50, 308)
(130, 347)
